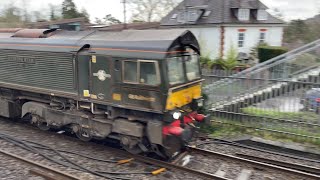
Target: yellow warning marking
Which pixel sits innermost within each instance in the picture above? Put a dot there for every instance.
(116, 97)
(94, 59)
(86, 93)
(125, 161)
(156, 172)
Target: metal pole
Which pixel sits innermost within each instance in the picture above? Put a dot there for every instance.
(124, 14)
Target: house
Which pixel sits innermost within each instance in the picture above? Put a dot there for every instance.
(75, 24)
(222, 24)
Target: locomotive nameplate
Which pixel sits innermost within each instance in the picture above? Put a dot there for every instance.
(141, 98)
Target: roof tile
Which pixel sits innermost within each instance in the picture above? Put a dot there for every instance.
(221, 12)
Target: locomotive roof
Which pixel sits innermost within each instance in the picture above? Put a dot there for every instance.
(128, 43)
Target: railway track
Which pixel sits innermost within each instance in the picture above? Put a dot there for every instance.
(256, 162)
(38, 169)
(174, 165)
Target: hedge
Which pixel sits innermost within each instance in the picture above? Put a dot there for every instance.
(268, 52)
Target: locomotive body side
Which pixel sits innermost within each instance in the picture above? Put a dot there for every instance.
(105, 85)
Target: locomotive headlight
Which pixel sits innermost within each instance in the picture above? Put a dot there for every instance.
(176, 115)
(200, 103)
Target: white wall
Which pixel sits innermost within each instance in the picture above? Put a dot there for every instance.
(209, 40)
(252, 35)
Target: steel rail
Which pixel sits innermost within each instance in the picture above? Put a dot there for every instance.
(51, 172)
(252, 162)
(242, 145)
(299, 167)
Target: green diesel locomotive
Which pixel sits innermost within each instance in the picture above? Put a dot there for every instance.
(142, 88)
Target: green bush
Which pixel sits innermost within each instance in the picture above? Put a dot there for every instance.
(268, 52)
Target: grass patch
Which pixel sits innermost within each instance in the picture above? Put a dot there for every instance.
(219, 130)
(310, 117)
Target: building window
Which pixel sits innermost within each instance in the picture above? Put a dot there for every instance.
(262, 38)
(244, 14)
(241, 39)
(262, 15)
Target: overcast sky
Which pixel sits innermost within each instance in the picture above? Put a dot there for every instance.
(291, 9)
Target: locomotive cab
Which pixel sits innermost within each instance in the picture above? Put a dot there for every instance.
(183, 100)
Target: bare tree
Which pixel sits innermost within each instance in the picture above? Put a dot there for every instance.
(276, 12)
(26, 15)
(151, 10)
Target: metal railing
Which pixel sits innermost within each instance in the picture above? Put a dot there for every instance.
(292, 66)
(283, 107)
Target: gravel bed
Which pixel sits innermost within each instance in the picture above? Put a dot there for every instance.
(52, 139)
(233, 168)
(12, 169)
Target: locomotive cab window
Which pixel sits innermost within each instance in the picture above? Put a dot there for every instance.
(183, 68)
(141, 72)
(130, 71)
(192, 67)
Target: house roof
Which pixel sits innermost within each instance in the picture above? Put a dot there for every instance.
(221, 12)
(136, 26)
(247, 4)
(62, 21)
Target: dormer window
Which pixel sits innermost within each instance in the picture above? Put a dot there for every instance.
(206, 14)
(190, 15)
(193, 15)
(174, 16)
(262, 15)
(244, 14)
(182, 17)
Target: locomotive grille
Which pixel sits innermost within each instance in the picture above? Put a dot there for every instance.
(53, 71)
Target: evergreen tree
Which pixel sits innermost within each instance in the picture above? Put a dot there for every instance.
(69, 10)
(85, 14)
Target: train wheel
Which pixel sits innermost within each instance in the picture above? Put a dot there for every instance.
(133, 150)
(131, 145)
(173, 145)
(84, 135)
(81, 133)
(40, 122)
(43, 126)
